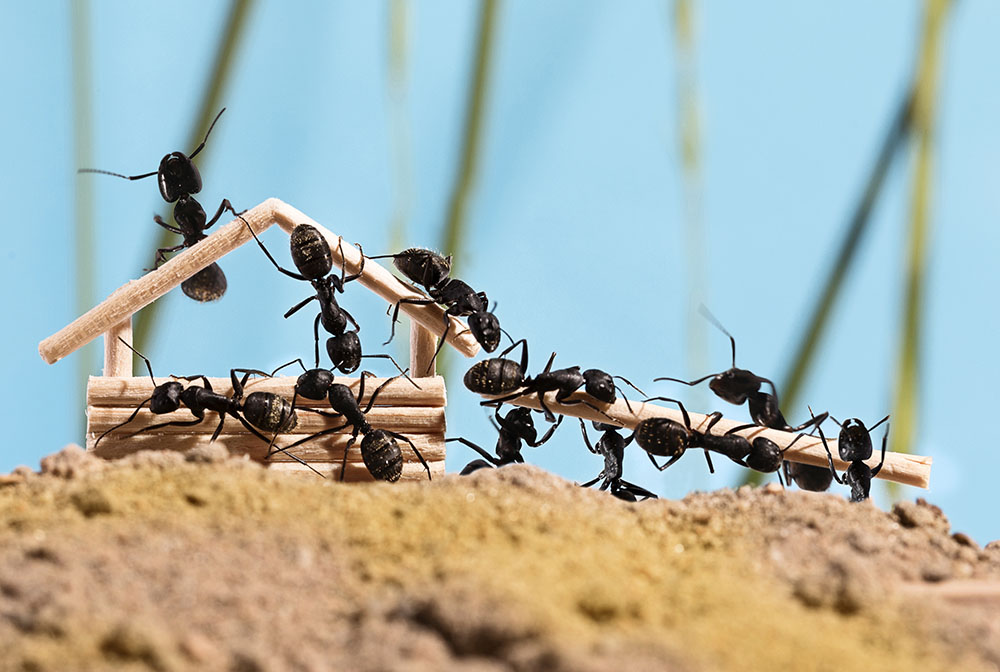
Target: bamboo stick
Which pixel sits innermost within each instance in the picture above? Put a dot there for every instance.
(898, 467)
(356, 472)
(402, 419)
(327, 449)
(117, 357)
(379, 280)
(136, 294)
(125, 392)
(423, 344)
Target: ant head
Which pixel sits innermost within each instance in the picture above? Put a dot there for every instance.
(765, 456)
(178, 176)
(855, 441)
(600, 385)
(486, 329)
(734, 385)
(166, 397)
(314, 384)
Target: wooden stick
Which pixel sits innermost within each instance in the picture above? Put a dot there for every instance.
(327, 449)
(137, 294)
(423, 344)
(125, 392)
(117, 357)
(898, 467)
(356, 472)
(378, 279)
(422, 419)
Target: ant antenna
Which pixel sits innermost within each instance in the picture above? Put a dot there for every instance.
(504, 331)
(872, 428)
(148, 365)
(108, 172)
(707, 314)
(202, 145)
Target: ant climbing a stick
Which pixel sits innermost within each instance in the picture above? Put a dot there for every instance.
(515, 428)
(179, 179)
(611, 446)
(854, 446)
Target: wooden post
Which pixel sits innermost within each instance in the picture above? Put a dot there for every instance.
(422, 346)
(118, 358)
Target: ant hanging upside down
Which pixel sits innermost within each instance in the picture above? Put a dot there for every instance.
(179, 180)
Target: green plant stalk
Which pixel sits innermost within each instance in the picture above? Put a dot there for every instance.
(83, 126)
(211, 103)
(904, 409)
(456, 225)
(689, 140)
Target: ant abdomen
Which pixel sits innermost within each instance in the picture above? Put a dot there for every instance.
(310, 252)
(494, 376)
(208, 284)
(269, 412)
(382, 456)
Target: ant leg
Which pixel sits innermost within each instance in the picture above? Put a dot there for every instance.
(490, 458)
(395, 313)
(586, 440)
(347, 449)
(441, 341)
(172, 423)
(122, 424)
(225, 205)
(169, 227)
(161, 254)
(812, 422)
(299, 306)
(414, 448)
(398, 368)
(638, 490)
(708, 458)
(297, 276)
(371, 399)
(715, 417)
(548, 434)
(829, 455)
(573, 402)
(253, 430)
(885, 438)
(343, 266)
(316, 336)
(691, 383)
(626, 380)
(592, 481)
(668, 463)
(298, 359)
(149, 367)
(687, 418)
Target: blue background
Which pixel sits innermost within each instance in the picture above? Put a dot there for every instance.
(576, 216)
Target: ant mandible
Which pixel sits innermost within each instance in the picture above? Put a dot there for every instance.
(179, 179)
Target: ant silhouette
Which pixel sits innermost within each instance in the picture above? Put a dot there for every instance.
(513, 429)
(611, 446)
(430, 270)
(379, 450)
(313, 258)
(564, 382)
(855, 445)
(260, 411)
(179, 179)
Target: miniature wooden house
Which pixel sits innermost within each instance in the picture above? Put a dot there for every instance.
(419, 414)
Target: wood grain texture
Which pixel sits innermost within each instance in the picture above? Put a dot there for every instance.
(356, 472)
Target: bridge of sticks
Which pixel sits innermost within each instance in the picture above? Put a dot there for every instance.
(417, 413)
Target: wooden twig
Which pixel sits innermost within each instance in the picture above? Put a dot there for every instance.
(117, 357)
(379, 280)
(422, 419)
(139, 293)
(326, 449)
(125, 392)
(898, 467)
(356, 471)
(422, 346)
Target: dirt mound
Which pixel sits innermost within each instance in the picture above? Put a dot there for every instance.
(168, 562)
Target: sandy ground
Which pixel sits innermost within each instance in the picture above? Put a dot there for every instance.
(165, 563)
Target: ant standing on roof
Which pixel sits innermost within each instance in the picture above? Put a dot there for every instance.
(430, 270)
(179, 179)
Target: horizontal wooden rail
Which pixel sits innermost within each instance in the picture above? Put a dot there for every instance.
(412, 471)
(423, 419)
(326, 449)
(124, 392)
(898, 467)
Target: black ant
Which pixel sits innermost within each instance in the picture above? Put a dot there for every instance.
(379, 450)
(855, 445)
(178, 179)
(263, 411)
(514, 428)
(430, 270)
(498, 375)
(312, 257)
(564, 382)
(611, 446)
(733, 385)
